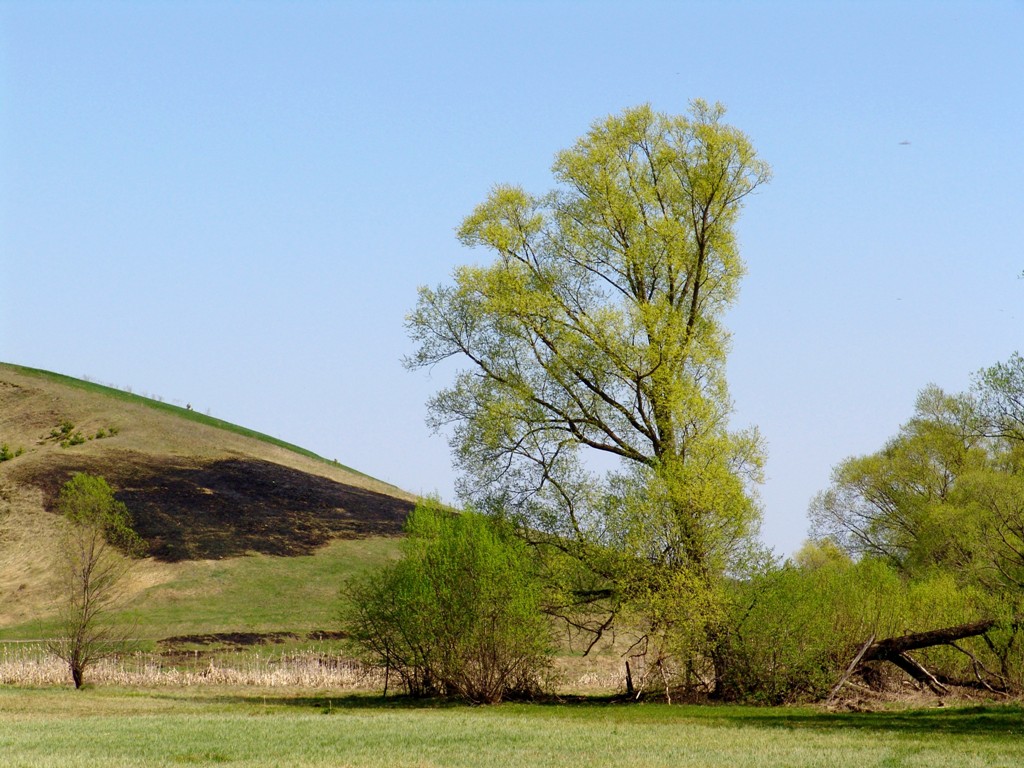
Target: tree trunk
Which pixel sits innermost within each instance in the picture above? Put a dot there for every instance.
(895, 650)
(886, 650)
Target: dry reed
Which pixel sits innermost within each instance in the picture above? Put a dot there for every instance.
(32, 665)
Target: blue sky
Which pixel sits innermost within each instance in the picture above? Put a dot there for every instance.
(232, 204)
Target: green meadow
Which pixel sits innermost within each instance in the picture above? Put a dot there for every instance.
(117, 727)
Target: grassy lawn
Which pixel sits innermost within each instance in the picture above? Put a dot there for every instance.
(113, 727)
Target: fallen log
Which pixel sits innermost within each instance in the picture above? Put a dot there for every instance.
(884, 650)
(896, 651)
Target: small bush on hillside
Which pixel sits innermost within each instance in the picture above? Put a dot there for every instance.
(63, 430)
(66, 435)
(459, 615)
(75, 439)
(6, 454)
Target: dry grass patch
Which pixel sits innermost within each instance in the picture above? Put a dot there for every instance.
(26, 664)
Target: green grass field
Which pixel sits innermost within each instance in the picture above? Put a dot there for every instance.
(114, 727)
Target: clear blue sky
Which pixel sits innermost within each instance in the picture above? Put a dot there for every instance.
(232, 204)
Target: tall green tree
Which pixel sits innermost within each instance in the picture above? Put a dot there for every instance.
(1001, 389)
(947, 492)
(592, 403)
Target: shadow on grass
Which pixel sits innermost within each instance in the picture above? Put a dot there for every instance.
(989, 721)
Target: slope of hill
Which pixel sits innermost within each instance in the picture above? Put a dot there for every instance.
(198, 490)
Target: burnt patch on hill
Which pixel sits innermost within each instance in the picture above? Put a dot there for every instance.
(188, 510)
(235, 506)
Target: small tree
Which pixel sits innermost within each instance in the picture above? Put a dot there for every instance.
(95, 553)
(459, 615)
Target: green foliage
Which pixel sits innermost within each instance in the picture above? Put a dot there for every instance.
(76, 438)
(67, 436)
(63, 430)
(799, 626)
(943, 504)
(458, 615)
(595, 338)
(88, 502)
(1001, 389)
(947, 494)
(894, 503)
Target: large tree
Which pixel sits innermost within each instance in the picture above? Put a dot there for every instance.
(947, 492)
(592, 403)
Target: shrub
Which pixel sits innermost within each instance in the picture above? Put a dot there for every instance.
(459, 615)
(6, 454)
(76, 438)
(63, 430)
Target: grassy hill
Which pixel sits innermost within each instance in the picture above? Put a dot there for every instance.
(245, 532)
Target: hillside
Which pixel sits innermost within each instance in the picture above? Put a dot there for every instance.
(207, 496)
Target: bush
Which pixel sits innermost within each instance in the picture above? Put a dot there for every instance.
(76, 438)
(6, 454)
(799, 625)
(459, 615)
(63, 430)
